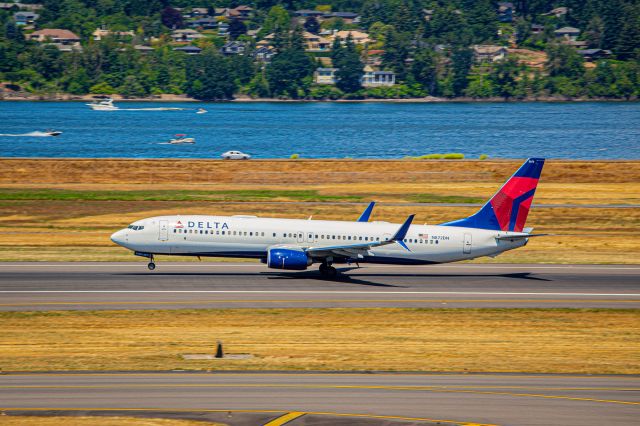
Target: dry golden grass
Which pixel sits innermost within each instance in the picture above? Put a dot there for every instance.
(79, 230)
(96, 421)
(496, 340)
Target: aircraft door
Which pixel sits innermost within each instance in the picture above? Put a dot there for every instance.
(300, 237)
(466, 248)
(163, 230)
(310, 238)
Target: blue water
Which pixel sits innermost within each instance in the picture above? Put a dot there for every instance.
(326, 130)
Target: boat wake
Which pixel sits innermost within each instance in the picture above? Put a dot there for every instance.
(150, 109)
(30, 134)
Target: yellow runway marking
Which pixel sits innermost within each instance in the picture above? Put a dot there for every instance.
(442, 389)
(184, 410)
(282, 420)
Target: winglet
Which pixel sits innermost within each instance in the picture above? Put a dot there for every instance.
(402, 232)
(366, 214)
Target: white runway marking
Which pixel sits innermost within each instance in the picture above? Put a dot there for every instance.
(467, 293)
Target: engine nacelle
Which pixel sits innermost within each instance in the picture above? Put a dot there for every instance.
(286, 258)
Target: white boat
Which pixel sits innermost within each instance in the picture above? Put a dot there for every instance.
(201, 111)
(181, 139)
(105, 104)
(53, 132)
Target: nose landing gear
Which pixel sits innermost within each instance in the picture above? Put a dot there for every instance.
(151, 265)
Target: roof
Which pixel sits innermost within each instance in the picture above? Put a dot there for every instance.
(55, 33)
(348, 15)
(488, 49)
(327, 69)
(185, 31)
(25, 14)
(144, 48)
(567, 30)
(188, 49)
(375, 52)
(234, 43)
(593, 51)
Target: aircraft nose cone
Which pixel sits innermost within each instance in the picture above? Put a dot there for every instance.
(118, 237)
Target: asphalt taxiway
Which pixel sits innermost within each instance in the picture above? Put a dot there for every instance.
(90, 286)
(336, 399)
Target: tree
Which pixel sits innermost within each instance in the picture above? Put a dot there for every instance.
(563, 60)
(171, 18)
(504, 77)
(628, 44)
(350, 68)
(424, 70)
(462, 60)
(132, 88)
(396, 53)
(208, 76)
(289, 68)
(236, 28)
(312, 25)
(12, 32)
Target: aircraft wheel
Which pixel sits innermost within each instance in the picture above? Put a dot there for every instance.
(331, 272)
(151, 266)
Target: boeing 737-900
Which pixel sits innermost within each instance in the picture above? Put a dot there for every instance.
(296, 244)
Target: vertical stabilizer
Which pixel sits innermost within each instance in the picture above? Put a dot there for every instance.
(507, 210)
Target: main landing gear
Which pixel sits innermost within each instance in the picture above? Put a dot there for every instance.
(151, 265)
(328, 271)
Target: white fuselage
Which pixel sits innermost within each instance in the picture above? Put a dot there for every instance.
(251, 237)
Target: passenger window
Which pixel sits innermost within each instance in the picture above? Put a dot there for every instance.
(377, 238)
(251, 234)
(274, 234)
(262, 234)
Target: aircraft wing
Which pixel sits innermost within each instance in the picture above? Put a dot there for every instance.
(361, 249)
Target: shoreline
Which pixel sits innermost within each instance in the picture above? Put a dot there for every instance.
(63, 97)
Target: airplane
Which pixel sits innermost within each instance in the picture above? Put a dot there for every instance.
(296, 244)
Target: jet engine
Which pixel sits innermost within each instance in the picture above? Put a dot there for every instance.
(287, 258)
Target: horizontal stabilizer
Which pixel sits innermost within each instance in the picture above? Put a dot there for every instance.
(519, 237)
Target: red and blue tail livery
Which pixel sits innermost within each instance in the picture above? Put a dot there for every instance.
(507, 210)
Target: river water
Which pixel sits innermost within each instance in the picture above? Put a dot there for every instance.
(593, 130)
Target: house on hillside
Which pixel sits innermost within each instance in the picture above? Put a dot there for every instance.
(567, 33)
(537, 29)
(591, 55)
(20, 6)
(558, 12)
(359, 37)
(316, 43)
(373, 78)
(325, 76)
(506, 10)
(143, 49)
(489, 53)
(196, 12)
(223, 29)
(306, 13)
(374, 57)
(186, 35)
(189, 50)
(263, 54)
(234, 48)
(206, 23)
(25, 18)
(101, 33)
(64, 40)
(347, 17)
(241, 12)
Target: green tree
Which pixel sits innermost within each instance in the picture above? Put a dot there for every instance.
(425, 70)
(628, 43)
(312, 25)
(208, 76)
(131, 88)
(396, 53)
(461, 62)
(350, 68)
(563, 60)
(236, 28)
(259, 86)
(289, 68)
(504, 77)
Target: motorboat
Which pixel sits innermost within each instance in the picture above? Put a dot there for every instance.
(201, 111)
(53, 132)
(105, 104)
(181, 139)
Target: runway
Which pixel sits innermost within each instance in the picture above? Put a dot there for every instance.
(260, 398)
(90, 286)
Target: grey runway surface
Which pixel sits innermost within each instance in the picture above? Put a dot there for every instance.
(259, 398)
(89, 286)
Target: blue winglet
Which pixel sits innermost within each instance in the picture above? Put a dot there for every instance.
(402, 232)
(403, 245)
(366, 214)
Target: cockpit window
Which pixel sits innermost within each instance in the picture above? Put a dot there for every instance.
(135, 227)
